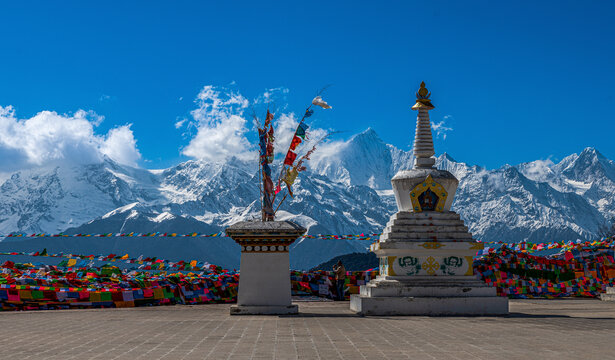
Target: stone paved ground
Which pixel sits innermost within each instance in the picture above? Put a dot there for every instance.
(545, 329)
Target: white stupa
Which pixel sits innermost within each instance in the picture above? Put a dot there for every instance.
(426, 251)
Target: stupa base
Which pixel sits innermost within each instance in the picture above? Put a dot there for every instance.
(429, 306)
(264, 309)
(609, 296)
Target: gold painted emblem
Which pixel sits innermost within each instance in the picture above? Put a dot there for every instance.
(477, 246)
(470, 260)
(432, 245)
(425, 192)
(430, 266)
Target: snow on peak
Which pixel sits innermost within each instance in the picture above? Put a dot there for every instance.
(164, 216)
(120, 210)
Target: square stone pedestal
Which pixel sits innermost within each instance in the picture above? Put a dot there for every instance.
(264, 277)
(264, 283)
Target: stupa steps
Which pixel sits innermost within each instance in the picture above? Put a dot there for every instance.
(426, 229)
(607, 297)
(426, 237)
(431, 215)
(435, 290)
(424, 150)
(423, 146)
(425, 222)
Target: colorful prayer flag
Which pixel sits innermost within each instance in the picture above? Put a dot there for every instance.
(318, 101)
(301, 129)
(290, 158)
(291, 176)
(295, 142)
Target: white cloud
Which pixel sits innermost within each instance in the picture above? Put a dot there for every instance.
(221, 126)
(538, 170)
(121, 145)
(441, 128)
(49, 137)
(270, 96)
(180, 123)
(329, 151)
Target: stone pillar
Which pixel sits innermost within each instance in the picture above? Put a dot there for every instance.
(425, 250)
(264, 277)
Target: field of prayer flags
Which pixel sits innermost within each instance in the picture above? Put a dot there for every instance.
(583, 270)
(580, 269)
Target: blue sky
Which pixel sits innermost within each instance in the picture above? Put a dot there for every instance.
(515, 81)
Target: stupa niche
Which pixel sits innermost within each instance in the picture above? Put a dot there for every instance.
(425, 251)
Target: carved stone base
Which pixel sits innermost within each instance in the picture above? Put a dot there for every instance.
(429, 306)
(609, 296)
(427, 286)
(264, 310)
(428, 295)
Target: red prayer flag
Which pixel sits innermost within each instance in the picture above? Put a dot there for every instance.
(296, 141)
(290, 158)
(269, 149)
(268, 118)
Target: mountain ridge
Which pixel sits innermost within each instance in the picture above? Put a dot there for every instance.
(345, 190)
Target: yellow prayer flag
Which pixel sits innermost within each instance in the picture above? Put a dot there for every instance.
(291, 176)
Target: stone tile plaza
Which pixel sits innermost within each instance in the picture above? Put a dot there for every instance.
(534, 329)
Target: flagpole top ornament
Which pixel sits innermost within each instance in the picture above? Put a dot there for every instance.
(422, 99)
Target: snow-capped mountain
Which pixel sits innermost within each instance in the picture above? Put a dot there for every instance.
(504, 204)
(363, 160)
(343, 193)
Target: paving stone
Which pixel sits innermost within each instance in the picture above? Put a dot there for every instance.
(548, 329)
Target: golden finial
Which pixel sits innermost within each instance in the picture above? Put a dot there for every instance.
(422, 98)
(423, 93)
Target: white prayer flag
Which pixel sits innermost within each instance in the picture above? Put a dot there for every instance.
(320, 102)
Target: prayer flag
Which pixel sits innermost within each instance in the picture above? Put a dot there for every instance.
(291, 176)
(268, 118)
(290, 158)
(318, 101)
(269, 149)
(295, 142)
(268, 184)
(301, 130)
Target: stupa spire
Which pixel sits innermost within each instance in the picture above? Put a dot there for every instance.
(423, 141)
